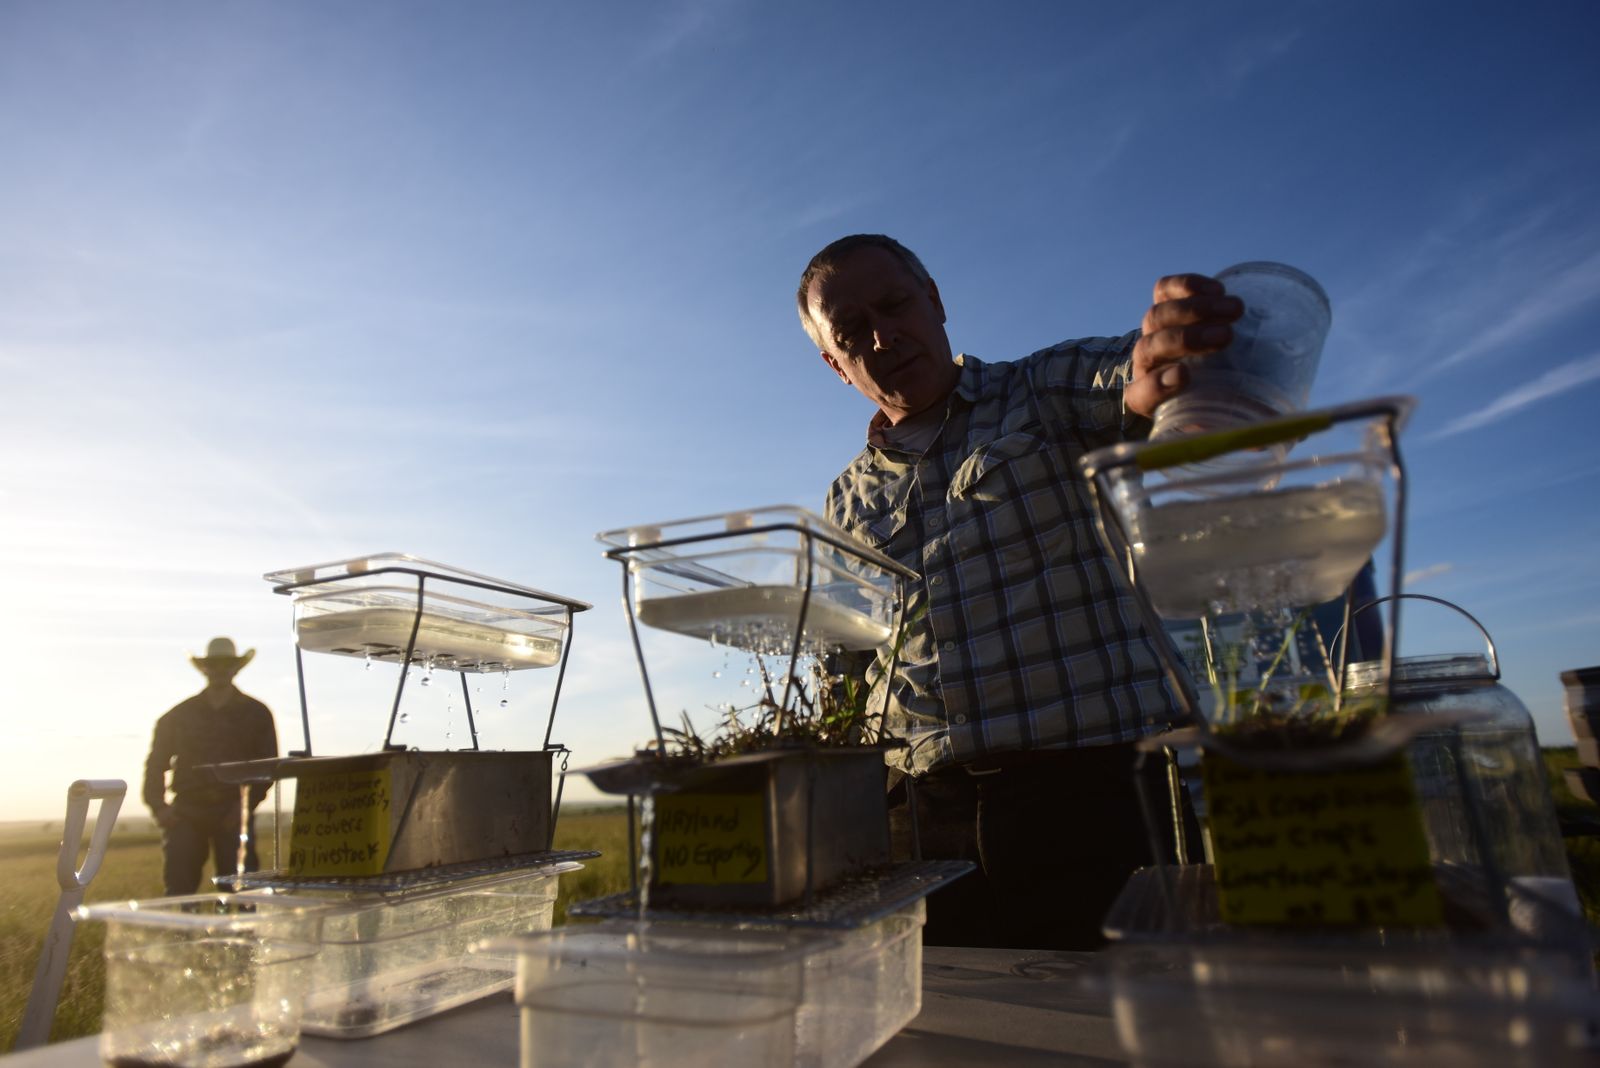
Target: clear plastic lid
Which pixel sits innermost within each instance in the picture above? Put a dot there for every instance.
(747, 579)
(210, 913)
(676, 945)
(305, 580)
(752, 521)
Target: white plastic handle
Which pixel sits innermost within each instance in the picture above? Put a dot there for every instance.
(109, 792)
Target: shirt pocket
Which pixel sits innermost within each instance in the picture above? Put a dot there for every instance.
(887, 531)
(1009, 496)
(1022, 454)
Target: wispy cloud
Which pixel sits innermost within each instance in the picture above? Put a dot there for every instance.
(1505, 257)
(1552, 383)
(1431, 571)
(683, 23)
(1255, 53)
(1558, 296)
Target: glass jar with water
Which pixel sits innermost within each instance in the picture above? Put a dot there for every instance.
(1480, 777)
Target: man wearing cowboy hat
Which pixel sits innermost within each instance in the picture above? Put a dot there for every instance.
(217, 725)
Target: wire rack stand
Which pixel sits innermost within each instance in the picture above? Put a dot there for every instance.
(401, 881)
(851, 903)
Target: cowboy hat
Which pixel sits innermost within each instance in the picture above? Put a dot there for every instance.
(221, 654)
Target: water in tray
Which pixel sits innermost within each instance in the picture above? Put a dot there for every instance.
(383, 633)
(762, 619)
(1281, 549)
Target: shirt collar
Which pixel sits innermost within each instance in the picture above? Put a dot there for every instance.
(969, 387)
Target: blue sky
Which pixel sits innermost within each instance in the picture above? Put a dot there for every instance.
(292, 282)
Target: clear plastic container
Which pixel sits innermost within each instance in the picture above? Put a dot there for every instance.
(1289, 522)
(1279, 1004)
(740, 579)
(1268, 369)
(703, 994)
(1187, 990)
(625, 994)
(370, 606)
(205, 981)
(861, 990)
(391, 959)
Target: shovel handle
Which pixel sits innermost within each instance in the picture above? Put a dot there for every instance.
(109, 792)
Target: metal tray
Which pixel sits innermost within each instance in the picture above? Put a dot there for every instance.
(444, 808)
(823, 815)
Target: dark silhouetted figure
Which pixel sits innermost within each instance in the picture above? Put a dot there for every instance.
(217, 725)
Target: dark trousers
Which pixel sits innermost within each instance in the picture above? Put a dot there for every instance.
(1055, 834)
(198, 834)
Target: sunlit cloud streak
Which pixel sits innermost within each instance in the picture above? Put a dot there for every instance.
(1553, 383)
(1557, 297)
(682, 24)
(1253, 54)
(1412, 578)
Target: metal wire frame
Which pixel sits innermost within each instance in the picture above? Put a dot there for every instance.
(397, 882)
(569, 605)
(422, 575)
(847, 905)
(808, 538)
(1112, 534)
(1115, 538)
(1394, 410)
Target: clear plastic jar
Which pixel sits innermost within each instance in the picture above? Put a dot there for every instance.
(1268, 368)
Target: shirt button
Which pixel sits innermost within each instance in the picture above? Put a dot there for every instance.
(949, 647)
(937, 580)
(961, 719)
(935, 520)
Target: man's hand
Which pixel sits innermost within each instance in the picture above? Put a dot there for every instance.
(1189, 317)
(167, 817)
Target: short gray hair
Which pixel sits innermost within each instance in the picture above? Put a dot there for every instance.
(828, 260)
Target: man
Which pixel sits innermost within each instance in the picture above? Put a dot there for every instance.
(1026, 677)
(217, 725)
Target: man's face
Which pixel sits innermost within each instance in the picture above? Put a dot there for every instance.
(219, 674)
(883, 332)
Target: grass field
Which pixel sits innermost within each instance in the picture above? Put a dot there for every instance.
(132, 869)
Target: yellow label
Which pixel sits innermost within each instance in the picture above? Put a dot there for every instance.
(1334, 848)
(341, 823)
(710, 838)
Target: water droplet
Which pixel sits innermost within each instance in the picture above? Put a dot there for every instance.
(504, 703)
(716, 674)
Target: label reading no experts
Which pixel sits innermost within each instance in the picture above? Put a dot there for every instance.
(710, 838)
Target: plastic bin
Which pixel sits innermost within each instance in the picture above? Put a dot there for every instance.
(740, 579)
(369, 606)
(1268, 1005)
(860, 990)
(608, 995)
(621, 994)
(204, 981)
(390, 959)
(1188, 990)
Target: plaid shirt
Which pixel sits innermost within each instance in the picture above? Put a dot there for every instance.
(1024, 633)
